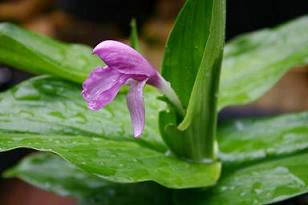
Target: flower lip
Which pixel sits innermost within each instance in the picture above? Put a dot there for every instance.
(101, 87)
(123, 58)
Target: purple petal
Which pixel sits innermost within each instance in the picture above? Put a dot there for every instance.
(136, 105)
(122, 57)
(100, 79)
(102, 86)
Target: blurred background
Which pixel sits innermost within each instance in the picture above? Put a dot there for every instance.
(90, 22)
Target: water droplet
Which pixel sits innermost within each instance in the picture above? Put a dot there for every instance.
(26, 93)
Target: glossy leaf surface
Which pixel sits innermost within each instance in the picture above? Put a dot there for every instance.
(188, 38)
(254, 62)
(199, 123)
(264, 161)
(261, 183)
(48, 114)
(51, 173)
(253, 139)
(40, 54)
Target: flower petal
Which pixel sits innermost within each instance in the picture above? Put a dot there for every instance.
(122, 57)
(136, 105)
(100, 79)
(102, 86)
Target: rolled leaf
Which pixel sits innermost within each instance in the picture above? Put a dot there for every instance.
(199, 31)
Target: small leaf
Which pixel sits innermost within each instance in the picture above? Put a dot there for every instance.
(40, 54)
(51, 173)
(254, 62)
(48, 114)
(262, 183)
(134, 41)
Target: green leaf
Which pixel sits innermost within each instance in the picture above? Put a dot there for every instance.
(254, 62)
(48, 114)
(260, 162)
(134, 41)
(185, 47)
(48, 105)
(123, 162)
(255, 139)
(194, 137)
(265, 182)
(51, 173)
(40, 54)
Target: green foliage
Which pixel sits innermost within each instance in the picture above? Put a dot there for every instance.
(188, 38)
(247, 70)
(40, 54)
(52, 173)
(262, 183)
(254, 139)
(48, 114)
(264, 162)
(111, 153)
(273, 173)
(264, 159)
(254, 62)
(134, 41)
(48, 105)
(199, 31)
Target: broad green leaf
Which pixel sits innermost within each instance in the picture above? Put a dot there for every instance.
(254, 62)
(124, 162)
(48, 105)
(185, 47)
(51, 173)
(253, 139)
(134, 41)
(48, 114)
(262, 183)
(40, 54)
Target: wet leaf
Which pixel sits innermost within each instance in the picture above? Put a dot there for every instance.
(254, 62)
(51, 173)
(40, 54)
(259, 138)
(48, 114)
(262, 183)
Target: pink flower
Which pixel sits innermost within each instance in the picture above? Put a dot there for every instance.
(124, 65)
